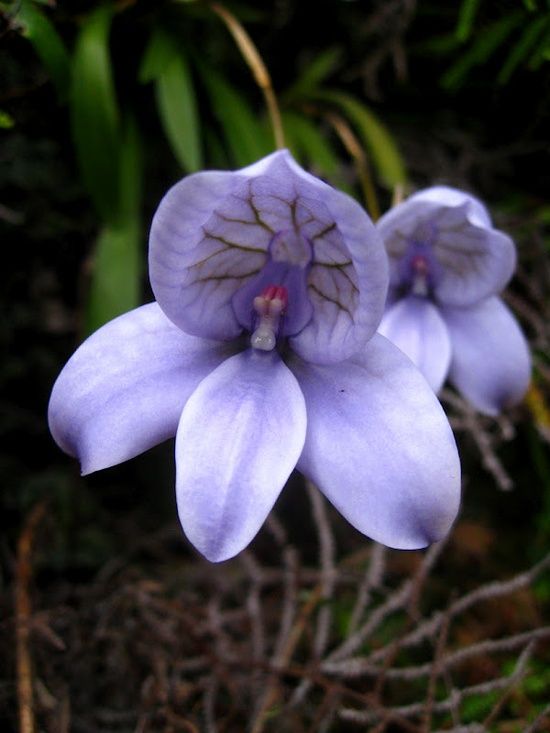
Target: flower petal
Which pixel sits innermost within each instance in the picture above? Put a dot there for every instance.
(214, 232)
(240, 435)
(491, 365)
(414, 325)
(472, 259)
(379, 446)
(124, 389)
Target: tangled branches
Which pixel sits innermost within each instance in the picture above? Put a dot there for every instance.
(375, 639)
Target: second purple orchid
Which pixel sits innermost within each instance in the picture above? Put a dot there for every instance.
(447, 266)
(260, 355)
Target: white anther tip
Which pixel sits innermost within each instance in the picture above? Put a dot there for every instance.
(263, 339)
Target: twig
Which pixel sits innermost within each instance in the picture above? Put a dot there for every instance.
(23, 617)
(284, 657)
(519, 672)
(434, 674)
(444, 706)
(483, 593)
(359, 666)
(371, 580)
(328, 574)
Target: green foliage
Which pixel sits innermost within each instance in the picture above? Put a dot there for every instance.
(466, 18)
(110, 162)
(376, 137)
(95, 114)
(47, 42)
(6, 120)
(519, 38)
(117, 264)
(166, 64)
(310, 146)
(477, 707)
(526, 43)
(314, 73)
(245, 136)
(482, 50)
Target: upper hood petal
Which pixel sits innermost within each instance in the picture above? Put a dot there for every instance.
(470, 259)
(240, 435)
(124, 389)
(491, 364)
(379, 446)
(215, 231)
(414, 325)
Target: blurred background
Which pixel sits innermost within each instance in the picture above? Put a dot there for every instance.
(103, 106)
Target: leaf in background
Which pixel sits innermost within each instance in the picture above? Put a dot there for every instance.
(314, 74)
(6, 120)
(487, 43)
(313, 150)
(245, 136)
(177, 108)
(466, 18)
(377, 139)
(117, 264)
(158, 54)
(47, 43)
(542, 52)
(522, 48)
(94, 113)
(167, 65)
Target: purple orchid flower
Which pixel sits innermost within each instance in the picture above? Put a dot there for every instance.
(447, 263)
(269, 283)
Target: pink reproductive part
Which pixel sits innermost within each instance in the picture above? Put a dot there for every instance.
(269, 307)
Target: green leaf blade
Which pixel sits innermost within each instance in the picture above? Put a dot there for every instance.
(378, 140)
(118, 258)
(246, 138)
(94, 113)
(48, 44)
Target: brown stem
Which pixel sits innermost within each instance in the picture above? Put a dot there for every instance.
(23, 615)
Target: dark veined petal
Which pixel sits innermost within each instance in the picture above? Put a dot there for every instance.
(214, 232)
(416, 327)
(490, 365)
(123, 390)
(240, 435)
(472, 259)
(380, 447)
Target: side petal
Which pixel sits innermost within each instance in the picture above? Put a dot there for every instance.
(472, 259)
(414, 325)
(379, 446)
(240, 435)
(123, 390)
(185, 243)
(491, 364)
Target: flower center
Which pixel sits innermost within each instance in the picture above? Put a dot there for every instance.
(420, 271)
(269, 307)
(261, 304)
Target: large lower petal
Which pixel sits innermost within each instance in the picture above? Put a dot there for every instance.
(240, 435)
(379, 446)
(124, 389)
(491, 364)
(415, 326)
